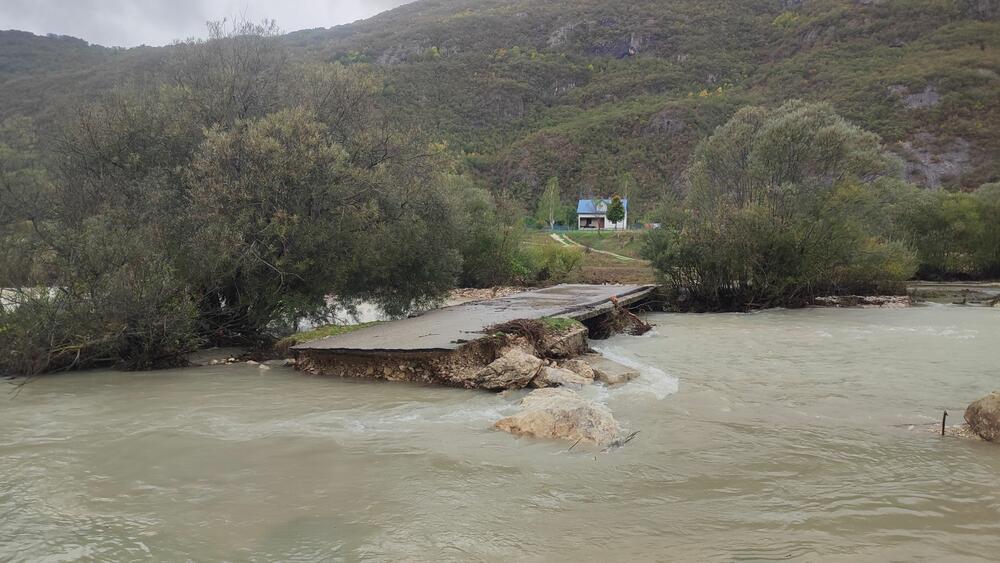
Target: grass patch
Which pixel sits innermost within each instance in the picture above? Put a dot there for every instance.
(559, 324)
(287, 342)
(625, 243)
(600, 268)
(534, 331)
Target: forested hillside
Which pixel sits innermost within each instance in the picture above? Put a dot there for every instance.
(613, 96)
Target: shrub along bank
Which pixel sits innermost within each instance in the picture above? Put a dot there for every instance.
(794, 203)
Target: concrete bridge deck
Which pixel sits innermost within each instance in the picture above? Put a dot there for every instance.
(449, 327)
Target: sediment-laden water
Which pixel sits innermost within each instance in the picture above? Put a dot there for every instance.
(776, 435)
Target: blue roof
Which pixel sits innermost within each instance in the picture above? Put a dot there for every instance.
(586, 206)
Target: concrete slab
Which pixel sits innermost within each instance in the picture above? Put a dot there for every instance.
(450, 327)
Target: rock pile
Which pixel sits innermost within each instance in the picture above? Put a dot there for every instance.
(555, 410)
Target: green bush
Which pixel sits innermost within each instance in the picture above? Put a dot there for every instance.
(548, 263)
(956, 235)
(135, 316)
(492, 231)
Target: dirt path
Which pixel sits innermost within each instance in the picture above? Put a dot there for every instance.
(568, 241)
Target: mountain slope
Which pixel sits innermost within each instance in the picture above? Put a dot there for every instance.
(613, 96)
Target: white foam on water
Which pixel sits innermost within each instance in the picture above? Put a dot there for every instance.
(951, 332)
(406, 418)
(651, 379)
(469, 414)
(473, 411)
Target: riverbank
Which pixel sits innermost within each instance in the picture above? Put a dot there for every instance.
(959, 293)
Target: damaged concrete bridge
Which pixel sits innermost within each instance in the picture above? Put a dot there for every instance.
(451, 346)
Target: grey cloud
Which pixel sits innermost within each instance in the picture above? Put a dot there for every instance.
(158, 22)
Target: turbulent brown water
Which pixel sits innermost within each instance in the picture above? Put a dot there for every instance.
(776, 435)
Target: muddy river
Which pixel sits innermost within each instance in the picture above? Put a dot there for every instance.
(772, 436)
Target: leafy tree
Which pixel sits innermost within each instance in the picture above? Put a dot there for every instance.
(493, 229)
(24, 182)
(988, 251)
(616, 211)
(287, 217)
(550, 203)
(784, 206)
(627, 186)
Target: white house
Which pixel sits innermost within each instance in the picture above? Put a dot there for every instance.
(593, 214)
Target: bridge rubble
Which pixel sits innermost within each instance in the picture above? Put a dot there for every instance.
(453, 345)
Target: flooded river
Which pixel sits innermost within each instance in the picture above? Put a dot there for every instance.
(772, 436)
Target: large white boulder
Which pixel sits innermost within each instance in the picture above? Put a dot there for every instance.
(561, 414)
(512, 370)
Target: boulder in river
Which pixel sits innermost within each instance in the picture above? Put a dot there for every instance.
(561, 414)
(983, 416)
(550, 376)
(579, 367)
(514, 369)
(610, 372)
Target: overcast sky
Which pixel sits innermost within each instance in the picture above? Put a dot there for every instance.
(127, 23)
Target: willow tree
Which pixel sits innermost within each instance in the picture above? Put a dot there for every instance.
(226, 199)
(784, 205)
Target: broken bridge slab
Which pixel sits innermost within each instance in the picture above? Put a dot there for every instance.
(449, 328)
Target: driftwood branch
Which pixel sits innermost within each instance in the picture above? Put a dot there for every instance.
(621, 441)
